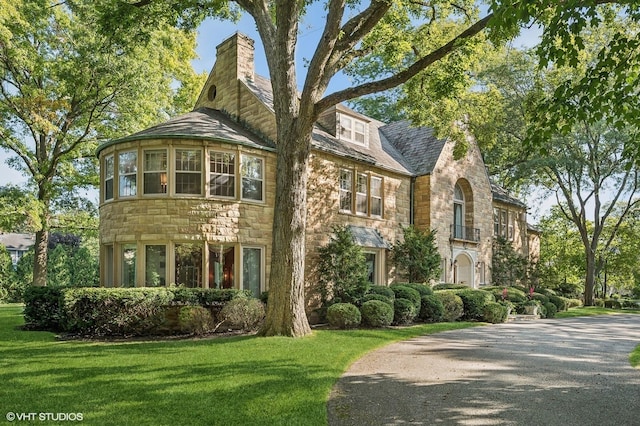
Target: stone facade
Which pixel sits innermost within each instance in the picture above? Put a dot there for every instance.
(210, 222)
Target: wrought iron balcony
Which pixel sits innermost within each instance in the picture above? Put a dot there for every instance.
(465, 233)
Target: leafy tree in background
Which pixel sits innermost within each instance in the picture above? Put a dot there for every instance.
(416, 256)
(64, 87)
(508, 267)
(416, 36)
(562, 266)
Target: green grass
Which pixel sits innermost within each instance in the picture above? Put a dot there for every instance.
(594, 310)
(226, 381)
(634, 358)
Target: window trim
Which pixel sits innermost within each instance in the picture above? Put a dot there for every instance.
(233, 174)
(261, 284)
(379, 198)
(346, 176)
(262, 161)
(109, 178)
(360, 194)
(165, 171)
(176, 171)
(122, 174)
(349, 133)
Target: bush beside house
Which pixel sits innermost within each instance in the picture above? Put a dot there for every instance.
(137, 311)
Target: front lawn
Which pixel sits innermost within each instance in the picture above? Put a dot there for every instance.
(225, 381)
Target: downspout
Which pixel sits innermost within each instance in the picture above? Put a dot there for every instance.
(412, 188)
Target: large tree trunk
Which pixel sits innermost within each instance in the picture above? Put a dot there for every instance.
(41, 249)
(590, 280)
(40, 257)
(286, 314)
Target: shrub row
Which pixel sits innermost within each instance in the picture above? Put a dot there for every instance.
(138, 311)
(407, 304)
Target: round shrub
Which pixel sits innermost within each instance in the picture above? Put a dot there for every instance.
(474, 301)
(562, 303)
(376, 313)
(423, 289)
(431, 308)
(242, 313)
(404, 292)
(380, 297)
(494, 313)
(575, 303)
(195, 320)
(383, 290)
(452, 304)
(343, 315)
(613, 304)
(404, 311)
(550, 310)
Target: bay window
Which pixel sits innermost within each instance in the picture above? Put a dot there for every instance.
(108, 177)
(127, 173)
(252, 174)
(222, 181)
(188, 171)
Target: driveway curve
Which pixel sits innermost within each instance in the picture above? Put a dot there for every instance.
(546, 372)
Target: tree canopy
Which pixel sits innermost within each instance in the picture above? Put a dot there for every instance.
(65, 86)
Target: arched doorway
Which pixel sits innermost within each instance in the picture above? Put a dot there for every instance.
(463, 270)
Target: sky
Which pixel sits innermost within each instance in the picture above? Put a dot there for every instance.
(212, 32)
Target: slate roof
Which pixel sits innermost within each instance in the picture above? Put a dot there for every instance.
(202, 123)
(417, 145)
(502, 195)
(368, 237)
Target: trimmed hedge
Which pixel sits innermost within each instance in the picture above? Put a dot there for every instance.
(343, 315)
(43, 308)
(404, 311)
(452, 304)
(449, 286)
(550, 310)
(474, 302)
(514, 294)
(380, 297)
(383, 290)
(115, 311)
(376, 313)
(404, 292)
(494, 312)
(423, 289)
(562, 303)
(431, 309)
(243, 313)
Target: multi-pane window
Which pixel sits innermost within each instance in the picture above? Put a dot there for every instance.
(155, 265)
(458, 213)
(188, 171)
(128, 278)
(222, 180)
(362, 190)
(252, 173)
(352, 130)
(371, 262)
(346, 191)
(504, 223)
(127, 173)
(108, 177)
(188, 263)
(155, 171)
(376, 196)
(252, 270)
(360, 193)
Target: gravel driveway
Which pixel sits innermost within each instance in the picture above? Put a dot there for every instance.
(546, 372)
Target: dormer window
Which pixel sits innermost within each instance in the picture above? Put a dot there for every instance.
(353, 130)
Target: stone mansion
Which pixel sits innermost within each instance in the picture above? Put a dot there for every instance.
(191, 201)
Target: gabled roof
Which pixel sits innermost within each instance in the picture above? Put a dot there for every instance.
(502, 195)
(418, 145)
(17, 242)
(202, 123)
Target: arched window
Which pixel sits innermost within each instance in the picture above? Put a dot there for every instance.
(458, 212)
